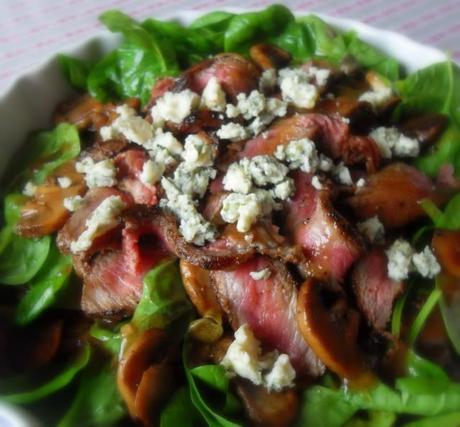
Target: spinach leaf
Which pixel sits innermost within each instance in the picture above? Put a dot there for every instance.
(447, 420)
(75, 70)
(97, 402)
(297, 40)
(435, 88)
(212, 20)
(425, 391)
(45, 287)
(247, 28)
(180, 411)
(24, 389)
(449, 219)
(450, 311)
(20, 258)
(163, 300)
(132, 69)
(375, 419)
(204, 381)
(109, 340)
(51, 149)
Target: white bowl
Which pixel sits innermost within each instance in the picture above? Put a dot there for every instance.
(28, 103)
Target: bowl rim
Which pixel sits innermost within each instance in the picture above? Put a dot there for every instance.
(364, 30)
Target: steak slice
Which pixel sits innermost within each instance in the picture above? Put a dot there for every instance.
(329, 243)
(375, 292)
(268, 306)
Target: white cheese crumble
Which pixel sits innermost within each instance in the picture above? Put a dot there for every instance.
(103, 218)
(319, 75)
(296, 88)
(283, 190)
(325, 164)
(29, 189)
(266, 170)
(64, 181)
(360, 183)
(99, 174)
(244, 209)
(377, 97)
(244, 358)
(392, 142)
(299, 154)
(342, 174)
(134, 128)
(72, 204)
(261, 274)
(164, 148)
(373, 229)
(232, 131)
(213, 97)
(268, 80)
(238, 177)
(281, 375)
(197, 151)
(193, 227)
(251, 106)
(316, 183)
(426, 264)
(151, 172)
(174, 107)
(193, 180)
(399, 260)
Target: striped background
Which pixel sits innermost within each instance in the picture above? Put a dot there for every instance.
(31, 30)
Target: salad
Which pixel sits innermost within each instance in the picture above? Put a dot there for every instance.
(250, 220)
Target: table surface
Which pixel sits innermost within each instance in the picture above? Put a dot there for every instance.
(32, 30)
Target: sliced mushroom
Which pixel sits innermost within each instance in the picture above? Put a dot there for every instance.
(88, 113)
(199, 289)
(45, 212)
(265, 408)
(330, 326)
(144, 377)
(267, 56)
(446, 245)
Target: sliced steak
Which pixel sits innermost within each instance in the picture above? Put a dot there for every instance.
(375, 292)
(113, 278)
(76, 224)
(268, 306)
(329, 243)
(130, 164)
(393, 194)
(234, 73)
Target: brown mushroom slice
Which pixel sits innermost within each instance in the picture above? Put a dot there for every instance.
(267, 56)
(198, 286)
(142, 350)
(154, 389)
(45, 212)
(265, 408)
(330, 327)
(427, 127)
(86, 112)
(446, 246)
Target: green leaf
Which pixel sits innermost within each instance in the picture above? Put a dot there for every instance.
(75, 70)
(450, 311)
(45, 287)
(449, 219)
(212, 19)
(110, 340)
(51, 149)
(180, 411)
(21, 389)
(375, 419)
(447, 150)
(425, 391)
(297, 40)
(163, 299)
(97, 402)
(447, 420)
(215, 406)
(247, 28)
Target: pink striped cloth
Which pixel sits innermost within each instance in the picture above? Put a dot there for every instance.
(31, 30)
